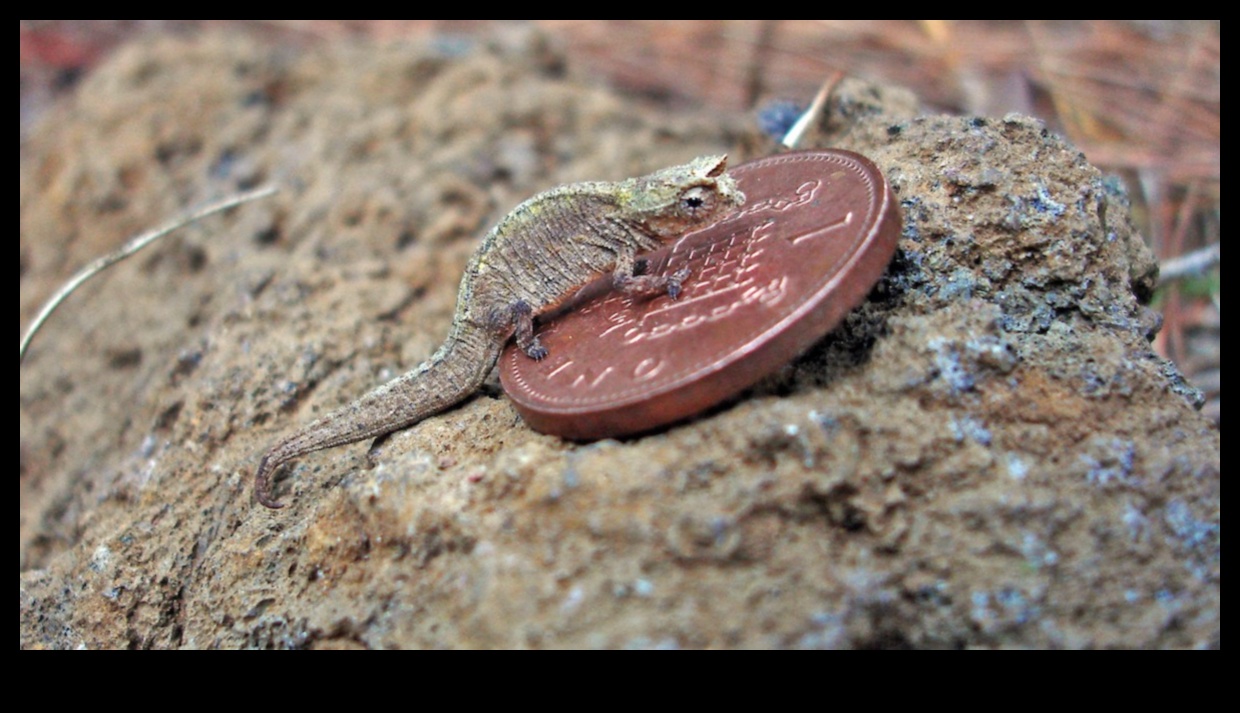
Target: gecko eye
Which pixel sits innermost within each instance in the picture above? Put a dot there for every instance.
(695, 201)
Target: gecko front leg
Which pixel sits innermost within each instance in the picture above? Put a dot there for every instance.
(628, 277)
(523, 322)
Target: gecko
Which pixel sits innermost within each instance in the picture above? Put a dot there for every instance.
(530, 263)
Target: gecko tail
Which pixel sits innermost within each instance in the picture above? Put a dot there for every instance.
(451, 375)
(262, 484)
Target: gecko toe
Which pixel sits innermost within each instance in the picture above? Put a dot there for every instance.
(674, 282)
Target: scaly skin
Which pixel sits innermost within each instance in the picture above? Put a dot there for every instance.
(537, 256)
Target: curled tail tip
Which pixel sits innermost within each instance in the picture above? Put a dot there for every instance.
(270, 504)
(262, 485)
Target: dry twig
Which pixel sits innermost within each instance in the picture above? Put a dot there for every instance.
(1189, 264)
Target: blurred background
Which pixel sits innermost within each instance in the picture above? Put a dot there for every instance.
(1141, 99)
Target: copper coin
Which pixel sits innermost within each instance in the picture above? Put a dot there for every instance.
(816, 232)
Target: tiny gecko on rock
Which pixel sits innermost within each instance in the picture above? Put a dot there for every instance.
(538, 256)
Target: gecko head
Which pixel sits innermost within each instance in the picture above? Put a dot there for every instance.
(673, 201)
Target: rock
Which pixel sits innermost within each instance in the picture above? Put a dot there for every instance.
(987, 453)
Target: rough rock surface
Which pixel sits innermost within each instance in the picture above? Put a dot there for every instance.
(986, 453)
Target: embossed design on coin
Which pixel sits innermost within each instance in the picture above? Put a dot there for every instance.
(815, 234)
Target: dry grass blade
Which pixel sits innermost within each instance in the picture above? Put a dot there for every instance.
(134, 245)
(794, 135)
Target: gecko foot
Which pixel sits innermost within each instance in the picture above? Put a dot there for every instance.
(674, 282)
